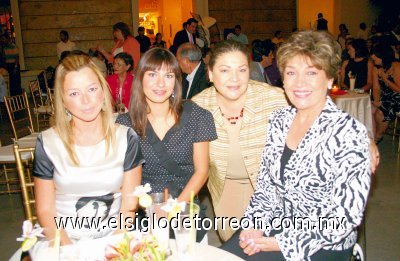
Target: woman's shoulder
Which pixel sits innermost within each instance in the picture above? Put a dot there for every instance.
(206, 99)
(50, 133)
(124, 119)
(193, 107)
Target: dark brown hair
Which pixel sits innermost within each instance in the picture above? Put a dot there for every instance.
(224, 47)
(153, 60)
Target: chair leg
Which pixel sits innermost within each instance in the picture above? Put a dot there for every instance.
(7, 180)
(37, 122)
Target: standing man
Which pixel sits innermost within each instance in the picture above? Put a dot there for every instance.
(143, 40)
(187, 35)
(65, 44)
(238, 36)
(11, 60)
(194, 78)
(321, 23)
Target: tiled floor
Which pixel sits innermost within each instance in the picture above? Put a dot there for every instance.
(382, 215)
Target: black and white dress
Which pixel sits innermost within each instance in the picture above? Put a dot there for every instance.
(327, 176)
(92, 189)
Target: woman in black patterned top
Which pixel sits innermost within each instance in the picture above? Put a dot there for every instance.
(315, 166)
(386, 88)
(158, 114)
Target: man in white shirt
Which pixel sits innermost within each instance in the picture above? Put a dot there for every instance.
(238, 36)
(194, 78)
(65, 44)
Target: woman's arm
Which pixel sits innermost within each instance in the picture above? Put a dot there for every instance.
(45, 194)
(200, 176)
(106, 54)
(395, 84)
(368, 85)
(376, 88)
(343, 74)
(132, 179)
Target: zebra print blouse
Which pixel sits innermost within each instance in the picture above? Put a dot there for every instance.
(326, 178)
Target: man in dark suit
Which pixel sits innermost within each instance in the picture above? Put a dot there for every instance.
(143, 40)
(187, 35)
(194, 79)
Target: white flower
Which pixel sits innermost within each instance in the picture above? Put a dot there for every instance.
(174, 205)
(141, 190)
(30, 231)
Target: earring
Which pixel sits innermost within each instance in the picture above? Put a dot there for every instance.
(173, 95)
(103, 108)
(69, 115)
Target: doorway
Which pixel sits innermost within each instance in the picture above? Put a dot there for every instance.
(164, 16)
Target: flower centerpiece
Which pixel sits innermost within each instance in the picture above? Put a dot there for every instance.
(136, 247)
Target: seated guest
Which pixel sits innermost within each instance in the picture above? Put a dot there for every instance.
(241, 108)
(158, 42)
(174, 135)
(121, 81)
(386, 88)
(358, 66)
(85, 165)
(278, 38)
(99, 60)
(315, 164)
(238, 36)
(194, 78)
(262, 53)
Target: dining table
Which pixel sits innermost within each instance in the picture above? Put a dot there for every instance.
(358, 105)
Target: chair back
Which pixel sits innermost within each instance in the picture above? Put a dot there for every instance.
(26, 182)
(20, 115)
(36, 93)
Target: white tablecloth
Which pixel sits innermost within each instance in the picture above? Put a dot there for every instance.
(357, 105)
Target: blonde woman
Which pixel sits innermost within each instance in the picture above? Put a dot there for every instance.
(85, 165)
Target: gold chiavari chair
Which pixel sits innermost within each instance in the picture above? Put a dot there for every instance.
(26, 181)
(40, 108)
(20, 115)
(396, 130)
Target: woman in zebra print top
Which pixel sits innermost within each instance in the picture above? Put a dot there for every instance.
(315, 166)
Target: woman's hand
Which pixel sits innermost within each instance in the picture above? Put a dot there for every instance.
(252, 242)
(374, 155)
(246, 240)
(377, 104)
(383, 75)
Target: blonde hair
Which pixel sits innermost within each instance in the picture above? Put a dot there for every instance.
(62, 125)
(319, 46)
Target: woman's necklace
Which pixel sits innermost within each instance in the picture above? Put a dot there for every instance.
(232, 119)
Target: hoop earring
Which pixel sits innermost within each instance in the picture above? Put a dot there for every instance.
(69, 115)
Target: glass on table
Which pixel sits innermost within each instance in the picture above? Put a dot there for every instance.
(185, 233)
(158, 219)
